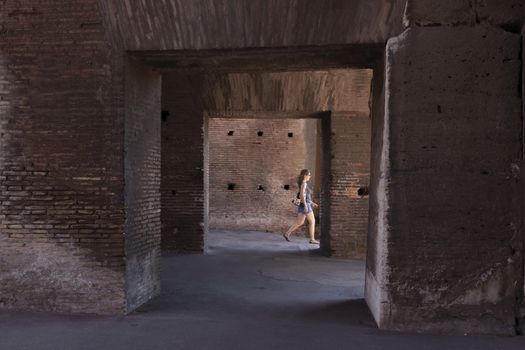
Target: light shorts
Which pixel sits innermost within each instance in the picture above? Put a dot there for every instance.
(308, 209)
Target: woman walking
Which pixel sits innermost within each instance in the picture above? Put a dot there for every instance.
(305, 210)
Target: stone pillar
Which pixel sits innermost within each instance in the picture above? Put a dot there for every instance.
(447, 237)
(61, 160)
(142, 184)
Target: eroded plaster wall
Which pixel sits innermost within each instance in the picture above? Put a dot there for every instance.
(449, 168)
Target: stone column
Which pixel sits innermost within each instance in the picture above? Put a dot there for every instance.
(142, 184)
(448, 254)
(61, 160)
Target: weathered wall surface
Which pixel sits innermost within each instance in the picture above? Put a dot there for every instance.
(142, 189)
(449, 169)
(376, 266)
(182, 184)
(344, 92)
(509, 14)
(213, 24)
(253, 178)
(350, 181)
(61, 156)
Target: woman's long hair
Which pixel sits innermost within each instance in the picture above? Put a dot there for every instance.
(301, 177)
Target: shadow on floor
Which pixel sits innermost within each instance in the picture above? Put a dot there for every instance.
(256, 275)
(350, 312)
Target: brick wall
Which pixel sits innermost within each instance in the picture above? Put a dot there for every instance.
(182, 184)
(248, 173)
(61, 156)
(142, 178)
(350, 174)
(346, 93)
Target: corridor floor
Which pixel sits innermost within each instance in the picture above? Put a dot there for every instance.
(251, 290)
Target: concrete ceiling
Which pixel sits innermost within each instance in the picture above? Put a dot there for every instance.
(223, 24)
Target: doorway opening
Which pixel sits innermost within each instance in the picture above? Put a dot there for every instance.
(326, 87)
(251, 178)
(238, 143)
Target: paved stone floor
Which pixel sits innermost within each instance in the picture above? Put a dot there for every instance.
(251, 290)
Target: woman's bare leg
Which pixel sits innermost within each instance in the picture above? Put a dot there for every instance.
(299, 221)
(311, 225)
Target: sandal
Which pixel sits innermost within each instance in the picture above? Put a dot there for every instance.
(313, 241)
(286, 237)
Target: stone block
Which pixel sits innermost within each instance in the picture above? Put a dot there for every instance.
(444, 12)
(454, 137)
(142, 185)
(507, 13)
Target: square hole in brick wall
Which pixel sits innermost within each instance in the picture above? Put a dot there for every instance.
(164, 115)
